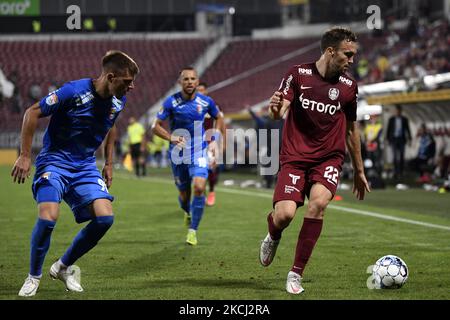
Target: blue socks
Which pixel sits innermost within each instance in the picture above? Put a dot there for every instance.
(87, 238)
(198, 206)
(185, 206)
(40, 242)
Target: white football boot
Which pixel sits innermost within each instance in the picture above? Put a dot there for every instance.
(268, 250)
(29, 287)
(294, 283)
(70, 276)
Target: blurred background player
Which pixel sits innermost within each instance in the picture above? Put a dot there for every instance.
(186, 110)
(320, 122)
(213, 168)
(157, 148)
(83, 113)
(136, 139)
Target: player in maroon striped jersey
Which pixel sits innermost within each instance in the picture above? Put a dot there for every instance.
(320, 101)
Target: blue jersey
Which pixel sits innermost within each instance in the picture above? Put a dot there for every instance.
(189, 115)
(79, 123)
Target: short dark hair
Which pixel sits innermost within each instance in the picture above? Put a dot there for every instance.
(334, 36)
(188, 68)
(204, 84)
(119, 62)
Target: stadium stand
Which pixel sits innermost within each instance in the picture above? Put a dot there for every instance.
(51, 62)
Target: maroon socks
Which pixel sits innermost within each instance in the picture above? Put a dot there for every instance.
(307, 239)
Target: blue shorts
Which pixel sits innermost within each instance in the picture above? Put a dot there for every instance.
(184, 173)
(78, 188)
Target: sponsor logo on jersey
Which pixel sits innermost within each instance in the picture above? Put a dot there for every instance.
(290, 189)
(345, 81)
(51, 99)
(287, 84)
(304, 87)
(333, 93)
(84, 98)
(294, 178)
(305, 71)
(319, 106)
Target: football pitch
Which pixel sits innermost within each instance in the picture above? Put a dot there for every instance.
(144, 255)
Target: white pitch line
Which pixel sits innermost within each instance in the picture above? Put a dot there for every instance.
(331, 206)
(350, 210)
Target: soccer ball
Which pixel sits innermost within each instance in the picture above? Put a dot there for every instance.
(390, 272)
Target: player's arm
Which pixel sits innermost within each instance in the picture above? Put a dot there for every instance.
(158, 129)
(109, 151)
(22, 166)
(353, 140)
(278, 105)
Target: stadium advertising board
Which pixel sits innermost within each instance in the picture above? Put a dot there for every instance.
(19, 7)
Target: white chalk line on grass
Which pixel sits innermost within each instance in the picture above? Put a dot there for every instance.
(331, 206)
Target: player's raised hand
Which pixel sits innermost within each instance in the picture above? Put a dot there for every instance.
(21, 169)
(179, 141)
(276, 104)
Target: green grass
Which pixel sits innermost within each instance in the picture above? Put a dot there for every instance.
(144, 255)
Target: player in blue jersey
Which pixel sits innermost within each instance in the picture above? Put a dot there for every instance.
(186, 111)
(83, 113)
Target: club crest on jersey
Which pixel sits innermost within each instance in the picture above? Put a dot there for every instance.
(333, 93)
(199, 109)
(51, 99)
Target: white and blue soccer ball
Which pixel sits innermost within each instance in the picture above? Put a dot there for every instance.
(390, 272)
